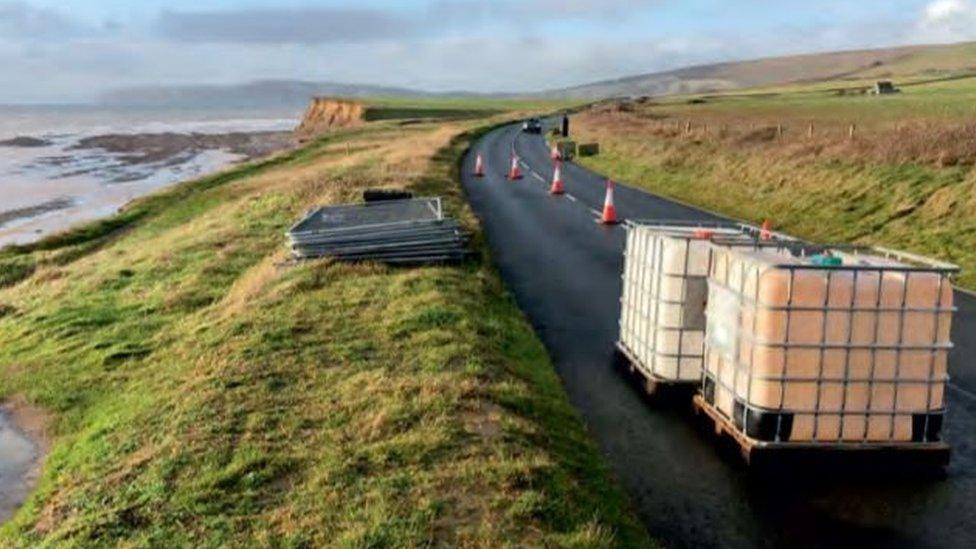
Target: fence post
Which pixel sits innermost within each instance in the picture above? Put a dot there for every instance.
(779, 130)
(852, 131)
(810, 131)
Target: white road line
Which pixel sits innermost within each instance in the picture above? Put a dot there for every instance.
(539, 177)
(571, 197)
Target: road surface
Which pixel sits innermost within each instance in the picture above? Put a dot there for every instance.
(565, 272)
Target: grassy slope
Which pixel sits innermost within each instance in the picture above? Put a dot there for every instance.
(828, 188)
(844, 69)
(928, 61)
(207, 395)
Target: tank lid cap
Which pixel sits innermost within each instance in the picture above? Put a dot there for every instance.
(826, 260)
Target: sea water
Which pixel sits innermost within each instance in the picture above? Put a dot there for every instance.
(49, 188)
(19, 457)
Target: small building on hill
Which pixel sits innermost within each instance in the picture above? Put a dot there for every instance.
(884, 87)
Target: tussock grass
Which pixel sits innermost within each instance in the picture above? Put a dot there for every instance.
(913, 188)
(924, 142)
(206, 394)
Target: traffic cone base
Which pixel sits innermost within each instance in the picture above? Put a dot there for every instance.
(516, 172)
(557, 180)
(479, 167)
(609, 216)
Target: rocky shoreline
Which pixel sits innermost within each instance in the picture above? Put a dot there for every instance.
(26, 142)
(52, 205)
(150, 148)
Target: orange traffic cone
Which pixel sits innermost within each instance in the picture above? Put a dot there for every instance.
(554, 154)
(767, 230)
(479, 166)
(557, 179)
(515, 173)
(609, 210)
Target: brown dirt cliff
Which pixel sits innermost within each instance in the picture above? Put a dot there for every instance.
(325, 113)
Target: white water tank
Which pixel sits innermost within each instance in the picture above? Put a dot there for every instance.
(662, 320)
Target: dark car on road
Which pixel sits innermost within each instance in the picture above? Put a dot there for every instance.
(532, 125)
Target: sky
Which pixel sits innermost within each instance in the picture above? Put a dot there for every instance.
(74, 50)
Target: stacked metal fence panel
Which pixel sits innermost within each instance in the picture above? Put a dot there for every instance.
(397, 231)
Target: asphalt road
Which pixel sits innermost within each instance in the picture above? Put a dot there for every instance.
(565, 272)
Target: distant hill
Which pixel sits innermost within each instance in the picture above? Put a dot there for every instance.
(909, 61)
(262, 94)
(854, 66)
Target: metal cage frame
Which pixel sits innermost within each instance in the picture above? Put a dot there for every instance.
(648, 282)
(926, 424)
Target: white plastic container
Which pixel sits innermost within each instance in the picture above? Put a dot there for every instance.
(662, 320)
(850, 347)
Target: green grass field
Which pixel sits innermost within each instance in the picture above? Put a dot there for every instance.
(906, 181)
(945, 100)
(448, 108)
(207, 393)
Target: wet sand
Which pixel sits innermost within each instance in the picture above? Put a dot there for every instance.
(24, 141)
(33, 211)
(24, 445)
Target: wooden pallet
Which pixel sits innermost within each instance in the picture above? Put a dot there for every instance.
(929, 455)
(724, 427)
(654, 386)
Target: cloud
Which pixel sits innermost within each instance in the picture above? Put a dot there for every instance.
(584, 8)
(19, 20)
(269, 25)
(948, 21)
(480, 45)
(282, 26)
(529, 14)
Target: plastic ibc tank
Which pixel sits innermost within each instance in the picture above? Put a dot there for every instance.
(662, 321)
(847, 347)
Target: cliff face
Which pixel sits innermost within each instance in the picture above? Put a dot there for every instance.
(326, 113)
